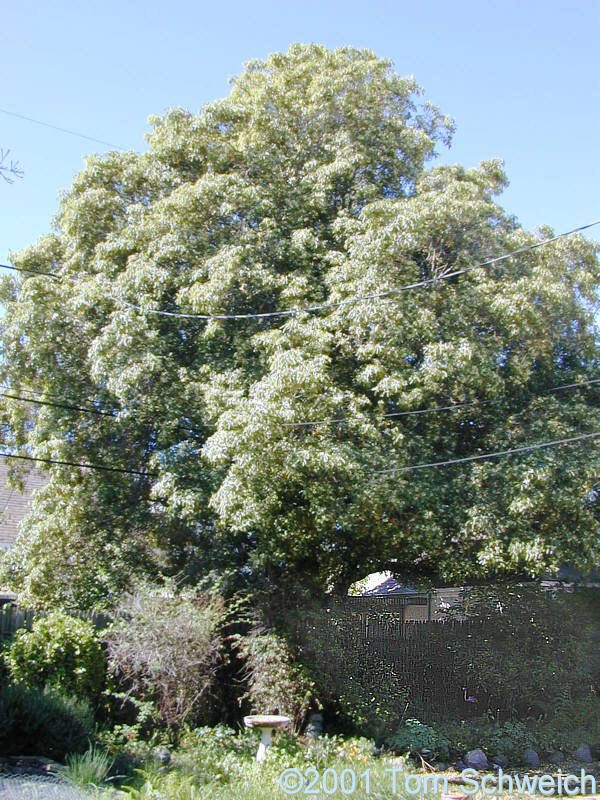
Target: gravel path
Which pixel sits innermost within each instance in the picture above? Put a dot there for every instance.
(39, 788)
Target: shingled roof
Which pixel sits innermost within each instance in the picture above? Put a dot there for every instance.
(14, 504)
(389, 586)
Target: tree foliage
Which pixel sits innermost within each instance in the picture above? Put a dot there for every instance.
(310, 184)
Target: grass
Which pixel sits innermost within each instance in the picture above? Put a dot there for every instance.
(89, 769)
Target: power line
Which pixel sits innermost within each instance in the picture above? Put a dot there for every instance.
(62, 130)
(67, 406)
(34, 271)
(307, 423)
(46, 394)
(454, 407)
(483, 456)
(337, 420)
(357, 298)
(79, 464)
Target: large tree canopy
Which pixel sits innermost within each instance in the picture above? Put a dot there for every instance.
(309, 185)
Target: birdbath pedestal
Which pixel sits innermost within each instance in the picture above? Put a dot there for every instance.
(266, 724)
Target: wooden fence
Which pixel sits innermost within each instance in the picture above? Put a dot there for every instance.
(372, 651)
(13, 618)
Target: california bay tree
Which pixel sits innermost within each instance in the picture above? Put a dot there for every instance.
(266, 439)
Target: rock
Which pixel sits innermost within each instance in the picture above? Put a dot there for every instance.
(163, 756)
(398, 763)
(441, 767)
(476, 759)
(314, 729)
(500, 761)
(583, 753)
(557, 757)
(460, 765)
(531, 758)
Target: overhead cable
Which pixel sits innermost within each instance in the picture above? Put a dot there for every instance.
(484, 456)
(58, 128)
(33, 271)
(79, 464)
(436, 409)
(67, 406)
(307, 423)
(356, 298)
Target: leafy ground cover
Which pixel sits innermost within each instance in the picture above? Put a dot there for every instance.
(220, 763)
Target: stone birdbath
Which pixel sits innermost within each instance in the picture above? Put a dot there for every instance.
(266, 724)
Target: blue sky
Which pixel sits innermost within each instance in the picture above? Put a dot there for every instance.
(521, 79)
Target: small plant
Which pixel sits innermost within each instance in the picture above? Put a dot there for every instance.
(156, 785)
(415, 737)
(88, 769)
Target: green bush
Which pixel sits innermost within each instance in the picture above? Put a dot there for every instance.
(43, 723)
(496, 738)
(276, 683)
(511, 739)
(60, 651)
(415, 737)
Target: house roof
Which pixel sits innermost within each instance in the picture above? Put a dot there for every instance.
(14, 504)
(388, 587)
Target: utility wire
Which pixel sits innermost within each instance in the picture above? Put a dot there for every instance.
(483, 456)
(413, 467)
(45, 394)
(323, 306)
(336, 420)
(379, 472)
(68, 406)
(62, 130)
(78, 464)
(325, 421)
(436, 409)
(34, 271)
(356, 298)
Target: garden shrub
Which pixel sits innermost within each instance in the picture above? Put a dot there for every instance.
(43, 723)
(60, 651)
(89, 769)
(511, 739)
(415, 737)
(494, 737)
(167, 646)
(277, 684)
